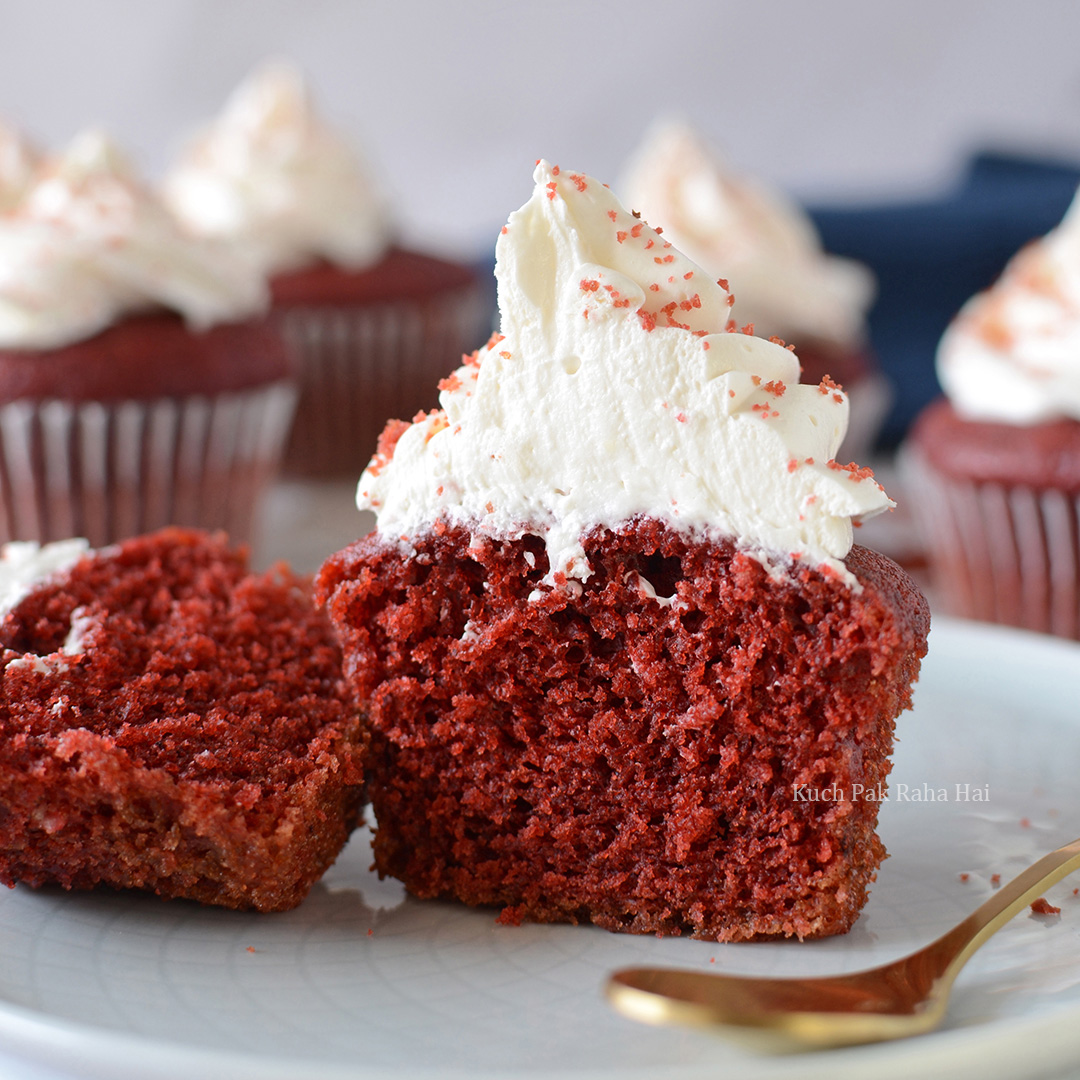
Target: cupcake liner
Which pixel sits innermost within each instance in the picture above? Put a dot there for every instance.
(1000, 553)
(361, 366)
(107, 470)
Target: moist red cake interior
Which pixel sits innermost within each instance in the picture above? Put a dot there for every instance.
(198, 742)
(604, 756)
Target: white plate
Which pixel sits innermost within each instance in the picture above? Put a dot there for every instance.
(361, 982)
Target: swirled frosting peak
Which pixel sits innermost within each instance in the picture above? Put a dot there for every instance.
(1013, 352)
(270, 177)
(618, 388)
(759, 240)
(88, 244)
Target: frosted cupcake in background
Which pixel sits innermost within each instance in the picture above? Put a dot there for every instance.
(372, 325)
(140, 381)
(996, 463)
(767, 250)
(19, 161)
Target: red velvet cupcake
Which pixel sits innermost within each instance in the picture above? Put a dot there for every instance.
(995, 469)
(611, 635)
(140, 383)
(372, 325)
(783, 283)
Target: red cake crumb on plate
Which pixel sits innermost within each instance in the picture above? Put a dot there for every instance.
(172, 722)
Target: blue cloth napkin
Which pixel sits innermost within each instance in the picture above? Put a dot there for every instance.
(929, 257)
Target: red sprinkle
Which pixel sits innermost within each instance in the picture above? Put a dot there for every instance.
(856, 472)
(1043, 907)
(589, 285)
(995, 880)
(964, 877)
(579, 181)
(635, 232)
(775, 386)
(452, 382)
(611, 214)
(828, 384)
(554, 172)
(793, 464)
(620, 236)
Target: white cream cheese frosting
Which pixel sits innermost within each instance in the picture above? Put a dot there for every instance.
(271, 178)
(613, 391)
(19, 162)
(760, 241)
(1013, 352)
(88, 244)
(25, 564)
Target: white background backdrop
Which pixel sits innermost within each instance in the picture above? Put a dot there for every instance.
(453, 100)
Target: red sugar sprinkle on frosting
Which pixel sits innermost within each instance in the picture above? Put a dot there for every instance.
(748, 329)
(722, 282)
(649, 245)
(494, 340)
(775, 386)
(705, 345)
(621, 235)
(635, 232)
(505, 230)
(730, 301)
(828, 384)
(579, 181)
(505, 354)
(452, 382)
(589, 285)
(856, 472)
(611, 214)
(755, 379)
(647, 320)
(384, 449)
(654, 287)
(554, 172)
(793, 464)
(472, 359)
(964, 877)
(688, 275)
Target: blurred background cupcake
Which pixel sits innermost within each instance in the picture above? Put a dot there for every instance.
(140, 383)
(18, 164)
(768, 250)
(373, 325)
(995, 466)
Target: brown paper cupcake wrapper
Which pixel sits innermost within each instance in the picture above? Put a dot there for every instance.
(359, 367)
(107, 470)
(1005, 554)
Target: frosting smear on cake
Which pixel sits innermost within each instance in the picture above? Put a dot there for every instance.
(618, 388)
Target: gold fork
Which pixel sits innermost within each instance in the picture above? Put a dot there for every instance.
(905, 997)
